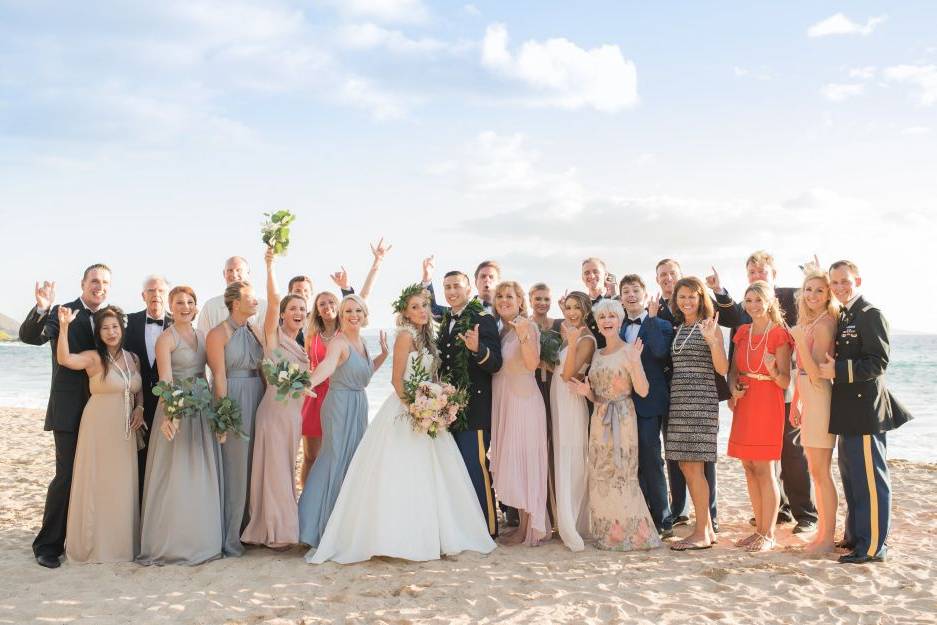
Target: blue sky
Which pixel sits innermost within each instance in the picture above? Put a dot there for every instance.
(154, 137)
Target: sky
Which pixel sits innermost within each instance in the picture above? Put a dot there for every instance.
(153, 137)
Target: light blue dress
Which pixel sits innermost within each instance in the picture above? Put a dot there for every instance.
(242, 356)
(344, 420)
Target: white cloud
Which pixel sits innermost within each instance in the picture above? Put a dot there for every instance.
(396, 11)
(369, 36)
(471, 9)
(863, 73)
(837, 92)
(362, 93)
(563, 74)
(839, 24)
(922, 76)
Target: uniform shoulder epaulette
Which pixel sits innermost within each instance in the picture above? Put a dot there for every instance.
(868, 307)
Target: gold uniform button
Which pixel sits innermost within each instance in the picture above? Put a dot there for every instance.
(859, 395)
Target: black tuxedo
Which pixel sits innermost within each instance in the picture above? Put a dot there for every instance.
(135, 341)
(861, 412)
(67, 398)
(473, 442)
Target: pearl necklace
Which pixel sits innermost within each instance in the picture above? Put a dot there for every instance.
(751, 348)
(673, 346)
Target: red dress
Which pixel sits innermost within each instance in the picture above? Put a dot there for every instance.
(312, 406)
(758, 420)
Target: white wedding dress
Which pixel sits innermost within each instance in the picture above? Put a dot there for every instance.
(405, 495)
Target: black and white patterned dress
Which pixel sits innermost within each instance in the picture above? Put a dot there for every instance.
(693, 424)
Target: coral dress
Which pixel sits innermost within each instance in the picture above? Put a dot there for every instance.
(518, 452)
(312, 406)
(758, 420)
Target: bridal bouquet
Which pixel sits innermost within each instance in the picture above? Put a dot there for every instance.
(226, 417)
(275, 231)
(186, 398)
(431, 406)
(290, 380)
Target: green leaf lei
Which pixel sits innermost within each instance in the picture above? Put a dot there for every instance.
(458, 372)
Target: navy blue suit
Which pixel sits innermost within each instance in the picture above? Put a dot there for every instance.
(656, 334)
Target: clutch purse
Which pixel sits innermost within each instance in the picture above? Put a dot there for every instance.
(141, 440)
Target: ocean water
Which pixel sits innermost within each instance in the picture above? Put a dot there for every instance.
(25, 369)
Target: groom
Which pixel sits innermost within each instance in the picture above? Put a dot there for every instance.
(470, 351)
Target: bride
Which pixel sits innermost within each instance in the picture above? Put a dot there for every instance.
(406, 495)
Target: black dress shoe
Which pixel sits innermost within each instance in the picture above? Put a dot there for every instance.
(804, 526)
(50, 562)
(862, 558)
(681, 520)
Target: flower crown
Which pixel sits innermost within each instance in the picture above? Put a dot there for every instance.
(401, 302)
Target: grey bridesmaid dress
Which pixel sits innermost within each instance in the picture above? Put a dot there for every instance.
(182, 518)
(242, 357)
(344, 420)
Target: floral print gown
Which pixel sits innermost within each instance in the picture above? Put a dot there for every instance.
(620, 518)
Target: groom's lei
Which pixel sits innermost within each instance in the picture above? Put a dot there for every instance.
(458, 374)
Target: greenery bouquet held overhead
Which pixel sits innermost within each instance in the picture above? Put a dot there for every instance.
(275, 230)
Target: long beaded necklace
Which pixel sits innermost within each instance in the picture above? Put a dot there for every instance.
(751, 348)
(673, 346)
(125, 376)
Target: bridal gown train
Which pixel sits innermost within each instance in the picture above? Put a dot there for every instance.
(405, 495)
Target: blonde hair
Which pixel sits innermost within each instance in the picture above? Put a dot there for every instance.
(804, 314)
(538, 286)
(353, 298)
(763, 290)
(424, 335)
(316, 324)
(761, 257)
(518, 294)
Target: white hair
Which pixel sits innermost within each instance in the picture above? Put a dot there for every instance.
(240, 258)
(155, 276)
(609, 305)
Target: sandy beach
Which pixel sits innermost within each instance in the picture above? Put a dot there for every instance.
(512, 585)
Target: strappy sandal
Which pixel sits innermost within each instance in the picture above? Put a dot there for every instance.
(686, 545)
(762, 543)
(745, 542)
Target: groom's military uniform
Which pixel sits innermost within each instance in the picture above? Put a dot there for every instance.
(473, 442)
(861, 412)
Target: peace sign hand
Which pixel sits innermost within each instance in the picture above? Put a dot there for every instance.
(653, 306)
(380, 250)
(340, 278)
(66, 315)
(712, 281)
(709, 328)
(429, 264)
(470, 338)
(45, 295)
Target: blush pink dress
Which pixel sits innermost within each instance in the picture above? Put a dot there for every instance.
(518, 453)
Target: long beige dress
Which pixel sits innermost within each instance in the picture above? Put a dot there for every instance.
(103, 514)
(620, 518)
(274, 513)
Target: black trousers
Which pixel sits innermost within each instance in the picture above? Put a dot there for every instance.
(50, 540)
(796, 488)
(473, 445)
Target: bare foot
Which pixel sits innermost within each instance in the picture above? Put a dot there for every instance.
(820, 546)
(514, 538)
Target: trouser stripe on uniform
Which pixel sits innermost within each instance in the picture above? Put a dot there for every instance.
(490, 508)
(873, 493)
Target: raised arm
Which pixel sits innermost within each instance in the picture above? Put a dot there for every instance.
(40, 326)
(379, 360)
(82, 361)
(636, 369)
(488, 353)
(579, 351)
(713, 335)
(529, 337)
(271, 317)
(429, 265)
(378, 252)
(403, 345)
(214, 351)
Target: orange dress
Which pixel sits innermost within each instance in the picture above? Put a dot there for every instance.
(758, 420)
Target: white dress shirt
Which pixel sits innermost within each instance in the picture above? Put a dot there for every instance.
(631, 332)
(214, 312)
(151, 332)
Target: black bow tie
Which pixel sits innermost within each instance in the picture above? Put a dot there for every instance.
(150, 320)
(636, 322)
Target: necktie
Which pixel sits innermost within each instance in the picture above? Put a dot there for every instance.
(150, 320)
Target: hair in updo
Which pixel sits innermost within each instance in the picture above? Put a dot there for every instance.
(233, 293)
(176, 290)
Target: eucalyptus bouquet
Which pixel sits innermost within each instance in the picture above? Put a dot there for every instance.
(187, 398)
(275, 231)
(226, 417)
(432, 406)
(290, 380)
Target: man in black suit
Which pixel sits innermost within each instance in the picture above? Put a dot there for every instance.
(861, 412)
(796, 489)
(470, 350)
(67, 397)
(667, 273)
(143, 328)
